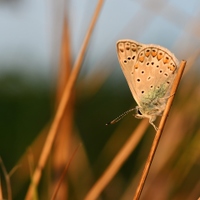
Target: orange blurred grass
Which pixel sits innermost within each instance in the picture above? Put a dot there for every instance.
(117, 161)
(61, 147)
(7, 181)
(61, 179)
(177, 127)
(61, 107)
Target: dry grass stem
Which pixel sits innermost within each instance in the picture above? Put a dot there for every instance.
(60, 151)
(13, 170)
(1, 193)
(117, 162)
(63, 174)
(7, 179)
(61, 107)
(159, 132)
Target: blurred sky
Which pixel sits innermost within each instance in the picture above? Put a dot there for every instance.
(31, 30)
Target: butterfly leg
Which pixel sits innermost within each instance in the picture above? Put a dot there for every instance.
(155, 127)
(151, 120)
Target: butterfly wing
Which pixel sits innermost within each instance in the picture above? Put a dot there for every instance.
(127, 52)
(154, 71)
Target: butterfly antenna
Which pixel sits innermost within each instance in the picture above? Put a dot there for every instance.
(120, 117)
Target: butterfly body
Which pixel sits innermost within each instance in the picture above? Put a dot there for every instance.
(150, 71)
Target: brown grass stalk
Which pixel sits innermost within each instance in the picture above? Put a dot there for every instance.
(61, 107)
(159, 132)
(7, 179)
(1, 192)
(64, 173)
(117, 162)
(60, 151)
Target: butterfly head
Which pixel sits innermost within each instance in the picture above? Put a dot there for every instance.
(140, 113)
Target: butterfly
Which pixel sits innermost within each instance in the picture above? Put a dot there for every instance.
(149, 71)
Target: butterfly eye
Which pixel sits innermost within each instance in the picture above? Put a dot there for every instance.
(142, 72)
(142, 91)
(139, 112)
(166, 74)
(125, 61)
(129, 58)
(161, 71)
(152, 63)
(138, 80)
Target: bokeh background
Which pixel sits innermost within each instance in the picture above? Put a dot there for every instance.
(39, 43)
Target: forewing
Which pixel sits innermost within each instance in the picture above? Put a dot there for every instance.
(127, 51)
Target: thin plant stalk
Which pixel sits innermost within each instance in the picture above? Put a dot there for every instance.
(60, 155)
(7, 179)
(159, 132)
(64, 174)
(61, 107)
